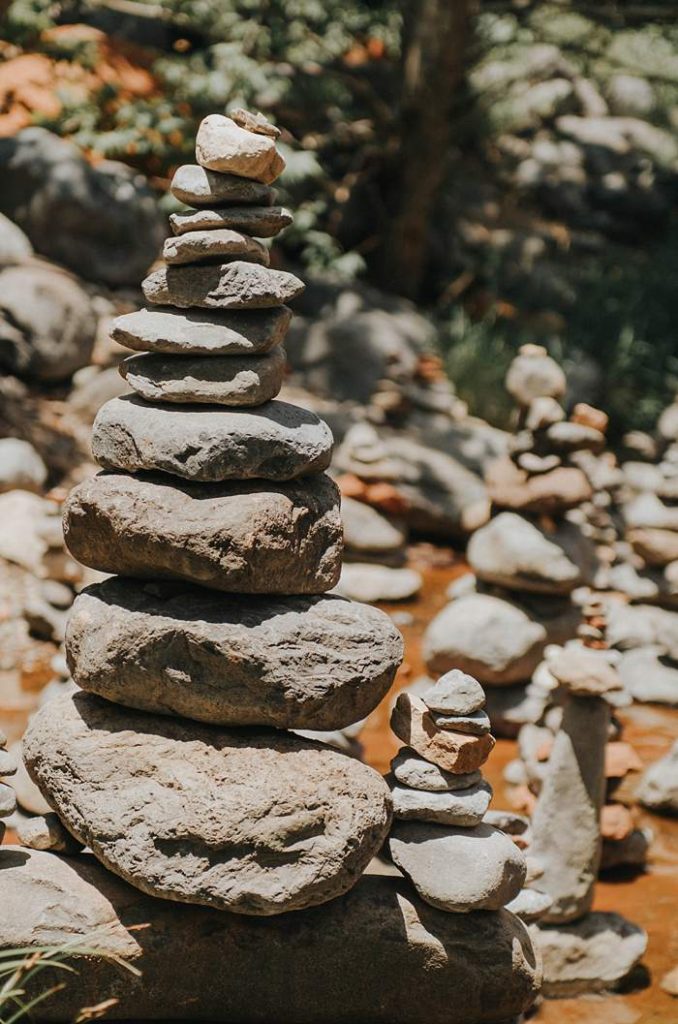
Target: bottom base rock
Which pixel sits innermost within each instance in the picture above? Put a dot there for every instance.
(376, 955)
(593, 954)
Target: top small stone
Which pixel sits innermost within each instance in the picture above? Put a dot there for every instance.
(256, 123)
(455, 693)
(534, 374)
(223, 145)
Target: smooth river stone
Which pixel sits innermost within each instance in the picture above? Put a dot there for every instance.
(458, 869)
(220, 380)
(224, 146)
(288, 662)
(202, 333)
(477, 723)
(239, 538)
(251, 821)
(412, 770)
(456, 752)
(376, 938)
(196, 186)
(260, 221)
(464, 807)
(276, 441)
(236, 285)
(213, 246)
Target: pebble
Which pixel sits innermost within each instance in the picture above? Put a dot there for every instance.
(412, 770)
(476, 724)
(7, 800)
(224, 146)
(196, 186)
(236, 285)
(455, 693)
(453, 751)
(214, 247)
(8, 765)
(220, 380)
(202, 333)
(464, 808)
(260, 221)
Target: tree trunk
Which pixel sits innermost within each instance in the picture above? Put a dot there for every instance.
(436, 34)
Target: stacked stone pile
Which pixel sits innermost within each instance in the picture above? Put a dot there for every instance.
(455, 860)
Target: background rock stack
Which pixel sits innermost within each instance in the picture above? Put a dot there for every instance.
(455, 861)
(7, 796)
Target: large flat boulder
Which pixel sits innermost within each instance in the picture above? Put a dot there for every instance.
(238, 537)
(253, 821)
(287, 662)
(324, 965)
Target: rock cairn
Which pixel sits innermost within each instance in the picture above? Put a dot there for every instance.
(456, 861)
(223, 534)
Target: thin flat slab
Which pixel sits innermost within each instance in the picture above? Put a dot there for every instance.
(276, 441)
(214, 247)
(202, 333)
(252, 821)
(455, 752)
(288, 662)
(196, 186)
(463, 808)
(260, 221)
(239, 538)
(220, 380)
(236, 285)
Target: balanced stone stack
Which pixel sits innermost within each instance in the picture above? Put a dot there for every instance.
(456, 861)
(204, 818)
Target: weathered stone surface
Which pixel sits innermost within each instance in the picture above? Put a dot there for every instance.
(458, 869)
(236, 285)
(591, 955)
(239, 538)
(255, 822)
(549, 493)
(513, 552)
(463, 807)
(472, 970)
(197, 186)
(212, 247)
(455, 693)
(456, 752)
(222, 145)
(477, 723)
(260, 221)
(276, 441)
(362, 581)
(412, 770)
(658, 788)
(221, 380)
(657, 547)
(289, 662)
(202, 333)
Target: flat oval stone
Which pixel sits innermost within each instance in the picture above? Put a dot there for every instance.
(255, 822)
(202, 333)
(289, 662)
(463, 807)
(236, 285)
(220, 380)
(260, 221)
(458, 869)
(239, 538)
(414, 771)
(276, 441)
(196, 186)
(213, 246)
(477, 723)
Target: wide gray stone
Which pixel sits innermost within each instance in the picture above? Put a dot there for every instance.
(276, 441)
(239, 538)
(221, 380)
(256, 822)
(201, 333)
(288, 662)
(591, 955)
(236, 285)
(197, 186)
(458, 869)
(213, 247)
(462, 807)
(472, 969)
(412, 770)
(260, 221)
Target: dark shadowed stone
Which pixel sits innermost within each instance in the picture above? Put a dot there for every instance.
(260, 221)
(290, 662)
(323, 965)
(242, 538)
(202, 333)
(196, 186)
(276, 441)
(236, 285)
(253, 821)
(221, 380)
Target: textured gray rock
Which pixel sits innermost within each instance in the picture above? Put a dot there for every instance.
(463, 807)
(236, 285)
(477, 723)
(260, 221)
(216, 246)
(202, 333)
(239, 538)
(255, 822)
(458, 869)
(472, 970)
(222, 145)
(7, 800)
(289, 662)
(458, 752)
(221, 380)
(455, 693)
(199, 187)
(591, 955)
(277, 441)
(412, 770)
(513, 552)
(658, 787)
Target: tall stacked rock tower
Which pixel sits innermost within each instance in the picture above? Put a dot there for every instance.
(213, 509)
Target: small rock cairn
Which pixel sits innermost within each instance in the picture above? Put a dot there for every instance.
(223, 534)
(455, 860)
